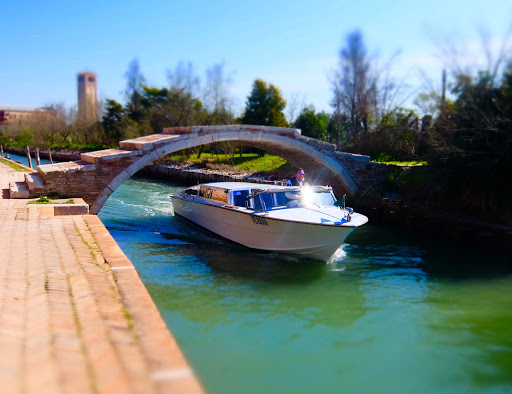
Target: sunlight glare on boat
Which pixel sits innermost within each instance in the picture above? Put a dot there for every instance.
(307, 196)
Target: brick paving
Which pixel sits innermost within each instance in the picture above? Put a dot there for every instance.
(74, 315)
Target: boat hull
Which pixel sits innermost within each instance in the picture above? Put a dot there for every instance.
(260, 231)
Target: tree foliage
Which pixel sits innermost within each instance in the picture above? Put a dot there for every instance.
(475, 130)
(172, 107)
(116, 123)
(216, 98)
(312, 124)
(265, 106)
(355, 85)
(133, 94)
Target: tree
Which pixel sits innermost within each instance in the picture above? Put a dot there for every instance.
(428, 102)
(183, 78)
(216, 96)
(396, 136)
(294, 105)
(265, 106)
(133, 92)
(171, 108)
(475, 131)
(312, 124)
(355, 85)
(50, 126)
(115, 122)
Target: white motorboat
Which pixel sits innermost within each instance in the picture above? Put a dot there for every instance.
(304, 221)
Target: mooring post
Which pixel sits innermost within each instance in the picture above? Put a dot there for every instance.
(28, 157)
(50, 156)
(38, 161)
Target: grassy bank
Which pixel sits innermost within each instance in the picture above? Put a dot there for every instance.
(247, 162)
(13, 165)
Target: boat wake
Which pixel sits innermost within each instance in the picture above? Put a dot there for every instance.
(339, 255)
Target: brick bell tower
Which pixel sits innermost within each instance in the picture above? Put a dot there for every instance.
(87, 97)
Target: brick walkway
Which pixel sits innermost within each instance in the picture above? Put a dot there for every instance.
(74, 315)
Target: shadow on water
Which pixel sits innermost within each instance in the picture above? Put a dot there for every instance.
(439, 259)
(227, 258)
(174, 240)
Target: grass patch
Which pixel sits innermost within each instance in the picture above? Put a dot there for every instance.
(51, 199)
(91, 251)
(128, 317)
(14, 166)
(247, 162)
(413, 163)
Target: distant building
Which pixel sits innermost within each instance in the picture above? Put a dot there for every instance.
(87, 97)
(16, 115)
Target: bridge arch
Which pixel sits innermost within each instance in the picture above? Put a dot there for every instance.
(281, 143)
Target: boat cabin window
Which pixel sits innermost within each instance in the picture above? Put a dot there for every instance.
(239, 197)
(267, 199)
(281, 199)
(323, 198)
(213, 193)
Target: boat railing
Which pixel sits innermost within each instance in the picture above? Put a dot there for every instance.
(341, 203)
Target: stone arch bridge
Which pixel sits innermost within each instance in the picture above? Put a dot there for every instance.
(98, 174)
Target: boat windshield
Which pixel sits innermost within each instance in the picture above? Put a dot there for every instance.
(282, 199)
(318, 196)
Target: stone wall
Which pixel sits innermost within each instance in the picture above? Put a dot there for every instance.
(364, 172)
(86, 179)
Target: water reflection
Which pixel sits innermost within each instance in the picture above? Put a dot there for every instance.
(246, 263)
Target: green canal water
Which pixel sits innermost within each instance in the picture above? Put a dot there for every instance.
(392, 313)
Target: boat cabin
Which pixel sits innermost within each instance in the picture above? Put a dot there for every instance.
(261, 197)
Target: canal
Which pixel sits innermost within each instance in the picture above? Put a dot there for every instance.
(392, 312)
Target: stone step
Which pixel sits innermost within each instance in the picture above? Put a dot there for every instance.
(34, 182)
(18, 190)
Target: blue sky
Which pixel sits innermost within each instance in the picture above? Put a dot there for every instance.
(291, 44)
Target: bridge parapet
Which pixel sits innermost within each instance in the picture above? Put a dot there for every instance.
(321, 146)
(199, 130)
(106, 155)
(150, 142)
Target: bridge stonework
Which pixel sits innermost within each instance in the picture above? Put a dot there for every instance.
(98, 174)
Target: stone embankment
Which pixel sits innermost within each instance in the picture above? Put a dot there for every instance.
(74, 315)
